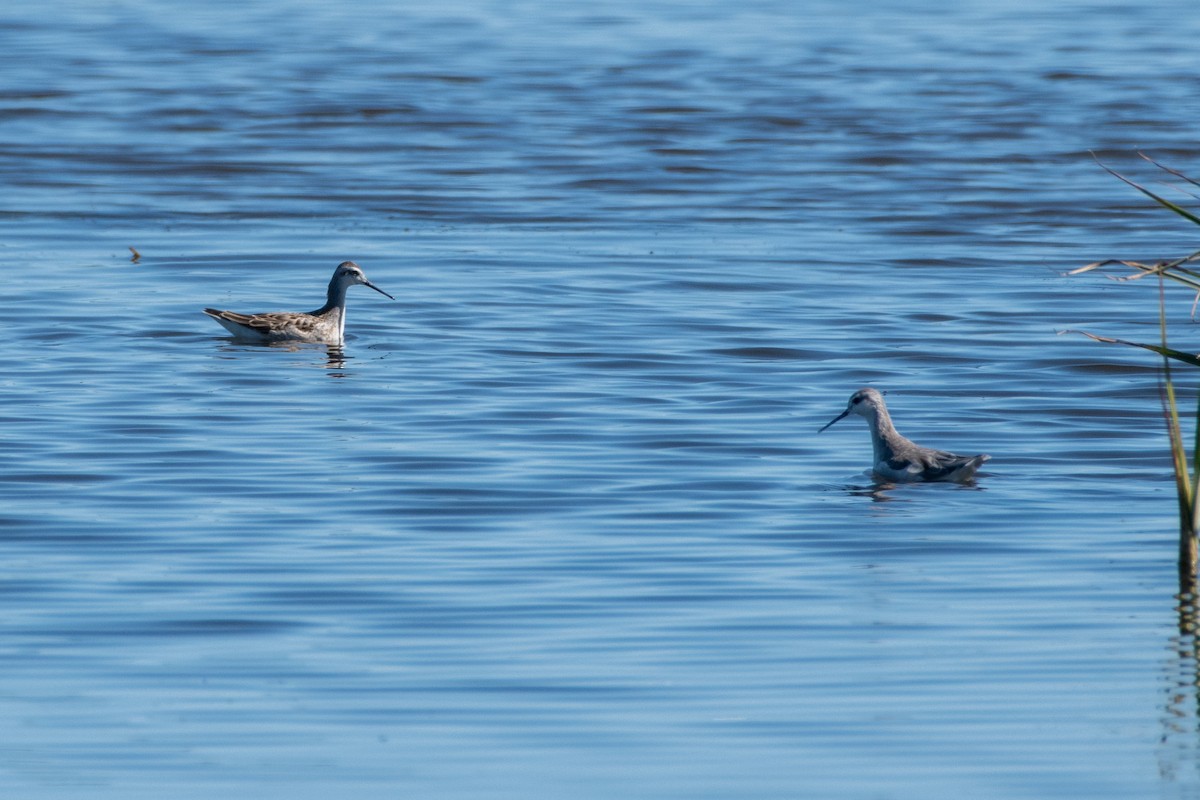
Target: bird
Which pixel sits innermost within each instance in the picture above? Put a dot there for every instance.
(899, 459)
(326, 325)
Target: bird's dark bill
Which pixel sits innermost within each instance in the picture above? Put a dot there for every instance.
(376, 288)
(835, 419)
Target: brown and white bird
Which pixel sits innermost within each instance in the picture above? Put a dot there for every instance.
(326, 325)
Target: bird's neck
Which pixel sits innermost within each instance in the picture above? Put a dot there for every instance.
(335, 298)
(334, 309)
(884, 436)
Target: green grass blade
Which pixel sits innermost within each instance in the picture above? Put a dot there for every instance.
(1165, 352)
(1183, 483)
(1184, 488)
(1165, 203)
(1173, 270)
(1174, 172)
(1195, 520)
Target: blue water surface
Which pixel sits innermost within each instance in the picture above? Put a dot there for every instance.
(557, 521)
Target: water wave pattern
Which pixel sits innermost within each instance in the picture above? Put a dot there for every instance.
(557, 522)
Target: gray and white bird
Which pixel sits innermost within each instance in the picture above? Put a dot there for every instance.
(326, 325)
(898, 459)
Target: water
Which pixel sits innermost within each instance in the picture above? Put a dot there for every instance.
(557, 522)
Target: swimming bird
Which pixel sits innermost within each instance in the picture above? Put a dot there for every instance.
(897, 458)
(327, 324)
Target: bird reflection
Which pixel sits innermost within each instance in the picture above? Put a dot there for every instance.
(881, 491)
(877, 491)
(334, 361)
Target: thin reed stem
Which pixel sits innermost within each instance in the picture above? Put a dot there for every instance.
(1187, 487)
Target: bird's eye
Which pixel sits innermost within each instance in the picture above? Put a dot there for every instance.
(855, 400)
